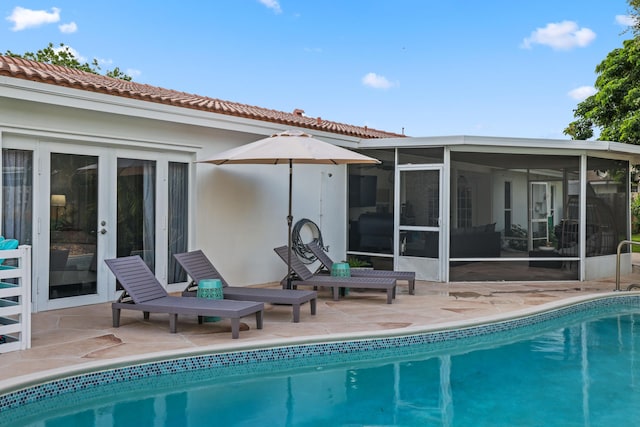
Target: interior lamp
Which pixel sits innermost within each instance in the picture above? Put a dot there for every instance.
(58, 201)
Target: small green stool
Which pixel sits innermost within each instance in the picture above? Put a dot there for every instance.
(341, 269)
(210, 289)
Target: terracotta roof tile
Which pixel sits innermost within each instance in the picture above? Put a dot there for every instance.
(77, 79)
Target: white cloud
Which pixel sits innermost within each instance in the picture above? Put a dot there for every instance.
(581, 93)
(69, 28)
(626, 20)
(272, 4)
(133, 72)
(563, 35)
(378, 82)
(26, 18)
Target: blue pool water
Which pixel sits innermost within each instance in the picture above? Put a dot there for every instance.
(576, 369)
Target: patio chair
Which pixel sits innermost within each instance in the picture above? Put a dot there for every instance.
(327, 262)
(304, 277)
(143, 292)
(198, 267)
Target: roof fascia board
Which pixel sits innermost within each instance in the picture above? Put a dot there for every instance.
(93, 139)
(500, 144)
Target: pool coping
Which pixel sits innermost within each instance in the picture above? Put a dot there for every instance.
(271, 349)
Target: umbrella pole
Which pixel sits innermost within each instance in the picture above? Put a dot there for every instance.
(289, 222)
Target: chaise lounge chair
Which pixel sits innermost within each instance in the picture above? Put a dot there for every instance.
(327, 262)
(304, 277)
(198, 267)
(144, 293)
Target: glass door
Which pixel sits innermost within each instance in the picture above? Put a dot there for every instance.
(73, 227)
(418, 221)
(136, 209)
(101, 204)
(73, 232)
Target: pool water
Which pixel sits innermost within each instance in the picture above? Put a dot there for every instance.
(578, 370)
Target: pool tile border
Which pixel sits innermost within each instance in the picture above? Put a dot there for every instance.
(250, 359)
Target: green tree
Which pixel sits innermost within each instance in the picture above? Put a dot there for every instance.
(65, 57)
(615, 108)
(635, 214)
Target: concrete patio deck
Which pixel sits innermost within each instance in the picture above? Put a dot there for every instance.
(82, 338)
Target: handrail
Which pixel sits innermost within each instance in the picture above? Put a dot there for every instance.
(622, 243)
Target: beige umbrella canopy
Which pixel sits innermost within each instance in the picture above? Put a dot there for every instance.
(289, 147)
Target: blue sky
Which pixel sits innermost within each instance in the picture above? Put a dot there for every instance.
(449, 67)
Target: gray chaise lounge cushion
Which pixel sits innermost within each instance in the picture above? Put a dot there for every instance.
(143, 292)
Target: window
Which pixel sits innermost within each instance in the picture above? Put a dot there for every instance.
(465, 203)
(370, 197)
(178, 218)
(137, 209)
(17, 195)
(417, 156)
(502, 210)
(507, 205)
(607, 205)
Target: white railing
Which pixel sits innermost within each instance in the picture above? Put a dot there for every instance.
(15, 299)
(620, 246)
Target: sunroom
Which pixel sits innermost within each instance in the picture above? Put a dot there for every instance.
(466, 208)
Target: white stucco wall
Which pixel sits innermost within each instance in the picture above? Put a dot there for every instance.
(243, 209)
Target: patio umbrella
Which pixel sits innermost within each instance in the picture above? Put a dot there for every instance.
(289, 147)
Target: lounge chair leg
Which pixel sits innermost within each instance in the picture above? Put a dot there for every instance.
(296, 313)
(336, 293)
(259, 319)
(412, 287)
(116, 317)
(390, 293)
(173, 322)
(145, 315)
(312, 304)
(235, 328)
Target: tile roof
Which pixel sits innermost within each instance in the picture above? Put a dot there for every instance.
(68, 77)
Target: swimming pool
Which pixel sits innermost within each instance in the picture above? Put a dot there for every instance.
(574, 365)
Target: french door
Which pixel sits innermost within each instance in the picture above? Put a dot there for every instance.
(417, 216)
(98, 203)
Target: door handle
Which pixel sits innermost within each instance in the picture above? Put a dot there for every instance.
(103, 231)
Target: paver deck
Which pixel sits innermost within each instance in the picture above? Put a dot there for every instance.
(82, 338)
